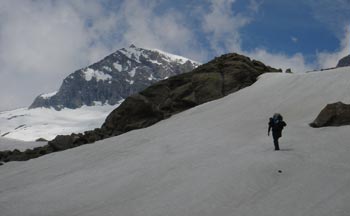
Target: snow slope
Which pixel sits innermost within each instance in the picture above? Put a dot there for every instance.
(214, 159)
(30, 124)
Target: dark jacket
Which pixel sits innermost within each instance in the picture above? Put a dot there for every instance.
(277, 127)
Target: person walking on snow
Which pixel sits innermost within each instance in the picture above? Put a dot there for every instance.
(277, 124)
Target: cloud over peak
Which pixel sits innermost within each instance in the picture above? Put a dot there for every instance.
(43, 41)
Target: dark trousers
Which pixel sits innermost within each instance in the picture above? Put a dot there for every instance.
(275, 142)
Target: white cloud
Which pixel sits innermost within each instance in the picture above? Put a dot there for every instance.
(330, 59)
(43, 41)
(222, 26)
(168, 31)
(333, 14)
(280, 60)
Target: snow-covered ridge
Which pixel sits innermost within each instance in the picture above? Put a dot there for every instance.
(132, 53)
(173, 57)
(135, 53)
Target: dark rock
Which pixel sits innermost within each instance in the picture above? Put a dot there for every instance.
(344, 62)
(5, 134)
(16, 155)
(40, 140)
(216, 79)
(4, 155)
(62, 142)
(335, 114)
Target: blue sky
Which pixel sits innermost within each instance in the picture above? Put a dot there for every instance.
(44, 41)
(294, 26)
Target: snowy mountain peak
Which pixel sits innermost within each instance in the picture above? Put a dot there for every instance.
(137, 54)
(125, 72)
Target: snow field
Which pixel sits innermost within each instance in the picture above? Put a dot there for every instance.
(30, 124)
(214, 159)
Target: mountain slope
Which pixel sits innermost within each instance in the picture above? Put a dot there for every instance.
(123, 73)
(88, 95)
(214, 159)
(219, 77)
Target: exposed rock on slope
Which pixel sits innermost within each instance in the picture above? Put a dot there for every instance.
(344, 61)
(335, 114)
(216, 79)
(220, 77)
(123, 73)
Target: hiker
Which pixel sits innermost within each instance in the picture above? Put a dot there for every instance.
(277, 124)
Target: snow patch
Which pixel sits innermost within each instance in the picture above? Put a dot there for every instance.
(151, 77)
(172, 57)
(48, 95)
(132, 72)
(118, 67)
(132, 53)
(130, 81)
(98, 75)
(155, 62)
(97, 103)
(107, 68)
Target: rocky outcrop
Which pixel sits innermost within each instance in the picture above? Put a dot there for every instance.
(336, 114)
(28, 154)
(344, 62)
(123, 73)
(211, 81)
(218, 78)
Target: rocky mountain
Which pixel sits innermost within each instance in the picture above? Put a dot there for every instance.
(216, 79)
(344, 61)
(114, 78)
(213, 80)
